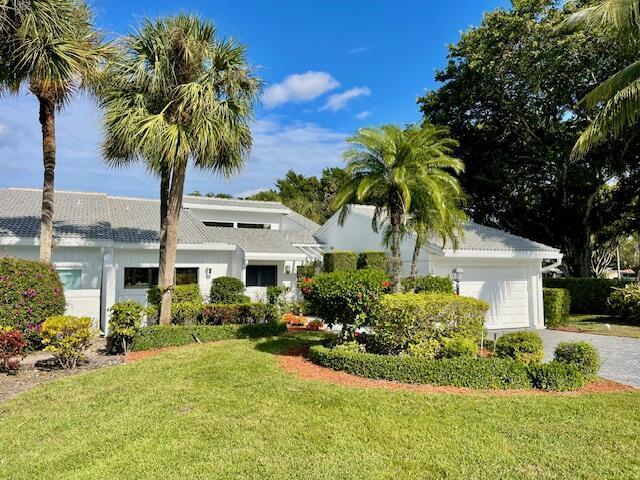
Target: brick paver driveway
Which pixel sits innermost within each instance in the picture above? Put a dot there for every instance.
(620, 355)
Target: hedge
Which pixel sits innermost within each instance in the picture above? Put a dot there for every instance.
(181, 293)
(160, 336)
(524, 347)
(557, 303)
(418, 323)
(493, 373)
(372, 259)
(227, 290)
(240, 313)
(588, 295)
(428, 284)
(486, 373)
(30, 292)
(339, 260)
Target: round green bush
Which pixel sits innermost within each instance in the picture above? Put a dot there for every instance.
(556, 376)
(30, 292)
(581, 354)
(227, 290)
(625, 302)
(524, 347)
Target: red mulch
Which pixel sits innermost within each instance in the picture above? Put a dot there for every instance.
(293, 361)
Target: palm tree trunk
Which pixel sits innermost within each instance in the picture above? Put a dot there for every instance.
(416, 254)
(173, 217)
(47, 119)
(165, 182)
(396, 221)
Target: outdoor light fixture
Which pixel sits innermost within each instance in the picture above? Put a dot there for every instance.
(457, 274)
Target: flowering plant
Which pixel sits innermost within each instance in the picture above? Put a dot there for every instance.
(11, 348)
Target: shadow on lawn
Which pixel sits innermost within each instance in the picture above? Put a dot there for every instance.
(289, 342)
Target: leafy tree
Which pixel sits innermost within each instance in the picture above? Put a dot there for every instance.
(54, 49)
(508, 94)
(388, 168)
(179, 94)
(265, 196)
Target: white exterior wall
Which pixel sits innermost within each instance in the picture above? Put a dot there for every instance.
(218, 261)
(86, 301)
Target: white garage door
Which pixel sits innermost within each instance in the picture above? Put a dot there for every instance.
(506, 291)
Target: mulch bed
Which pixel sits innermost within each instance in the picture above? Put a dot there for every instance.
(294, 361)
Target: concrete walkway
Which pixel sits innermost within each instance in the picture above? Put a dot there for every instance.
(620, 355)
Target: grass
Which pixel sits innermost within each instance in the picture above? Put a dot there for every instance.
(603, 325)
(226, 410)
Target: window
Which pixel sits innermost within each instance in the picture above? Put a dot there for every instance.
(264, 226)
(138, 277)
(262, 275)
(219, 224)
(71, 278)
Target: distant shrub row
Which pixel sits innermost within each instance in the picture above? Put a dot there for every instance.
(557, 304)
(338, 260)
(588, 295)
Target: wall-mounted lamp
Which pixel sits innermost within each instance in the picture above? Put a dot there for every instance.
(208, 272)
(287, 269)
(457, 274)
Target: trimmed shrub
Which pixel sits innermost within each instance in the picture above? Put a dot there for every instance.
(345, 297)
(588, 295)
(12, 346)
(239, 313)
(181, 293)
(227, 290)
(308, 271)
(581, 354)
(339, 260)
(557, 302)
(556, 376)
(372, 259)
(524, 347)
(126, 320)
(160, 336)
(66, 338)
(186, 313)
(494, 373)
(30, 292)
(625, 302)
(417, 323)
(428, 284)
(459, 347)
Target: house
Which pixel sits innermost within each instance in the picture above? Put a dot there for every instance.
(106, 247)
(503, 269)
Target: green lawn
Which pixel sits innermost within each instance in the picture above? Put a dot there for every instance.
(226, 410)
(598, 324)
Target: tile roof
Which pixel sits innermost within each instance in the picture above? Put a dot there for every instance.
(479, 237)
(232, 202)
(303, 221)
(256, 240)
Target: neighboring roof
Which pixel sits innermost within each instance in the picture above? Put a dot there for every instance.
(303, 221)
(232, 202)
(96, 216)
(478, 237)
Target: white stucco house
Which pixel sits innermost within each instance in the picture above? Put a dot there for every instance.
(106, 247)
(503, 269)
(106, 250)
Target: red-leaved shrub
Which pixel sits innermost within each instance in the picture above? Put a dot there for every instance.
(12, 345)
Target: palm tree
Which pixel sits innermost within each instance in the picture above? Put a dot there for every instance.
(178, 95)
(387, 167)
(52, 47)
(619, 96)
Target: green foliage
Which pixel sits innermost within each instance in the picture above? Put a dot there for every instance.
(66, 338)
(276, 302)
(297, 308)
(459, 346)
(186, 313)
(227, 290)
(307, 271)
(161, 336)
(625, 302)
(556, 376)
(524, 347)
(126, 320)
(494, 373)
(372, 259)
(338, 260)
(12, 347)
(418, 323)
(428, 284)
(181, 293)
(581, 354)
(240, 313)
(557, 303)
(30, 292)
(345, 297)
(508, 92)
(588, 295)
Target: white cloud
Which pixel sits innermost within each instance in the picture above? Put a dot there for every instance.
(299, 87)
(4, 129)
(339, 100)
(363, 114)
(359, 50)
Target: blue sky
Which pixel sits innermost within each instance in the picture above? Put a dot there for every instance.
(331, 67)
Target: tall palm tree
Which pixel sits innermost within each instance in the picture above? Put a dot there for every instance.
(52, 47)
(387, 167)
(178, 95)
(619, 96)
